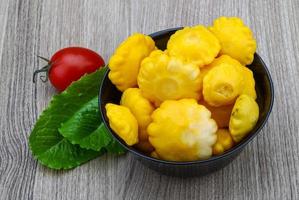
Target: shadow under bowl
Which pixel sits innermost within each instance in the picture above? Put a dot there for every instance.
(265, 97)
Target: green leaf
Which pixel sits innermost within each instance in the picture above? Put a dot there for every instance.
(101, 138)
(46, 143)
(86, 129)
(65, 155)
(97, 139)
(115, 147)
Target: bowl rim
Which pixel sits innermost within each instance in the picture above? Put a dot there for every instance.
(228, 153)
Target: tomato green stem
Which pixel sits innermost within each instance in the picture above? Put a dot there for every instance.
(43, 58)
(45, 69)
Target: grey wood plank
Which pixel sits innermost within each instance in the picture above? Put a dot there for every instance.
(17, 96)
(268, 167)
(3, 21)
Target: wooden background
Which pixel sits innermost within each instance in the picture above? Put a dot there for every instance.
(267, 169)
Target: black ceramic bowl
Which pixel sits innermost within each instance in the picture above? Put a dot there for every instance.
(265, 98)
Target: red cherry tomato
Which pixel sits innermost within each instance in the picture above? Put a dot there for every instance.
(69, 64)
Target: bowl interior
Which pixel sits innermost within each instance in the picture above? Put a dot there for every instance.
(264, 89)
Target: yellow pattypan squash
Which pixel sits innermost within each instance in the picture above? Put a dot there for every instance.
(164, 77)
(223, 82)
(249, 83)
(182, 130)
(220, 114)
(204, 70)
(125, 62)
(140, 107)
(194, 44)
(235, 38)
(123, 123)
(218, 61)
(244, 117)
(224, 142)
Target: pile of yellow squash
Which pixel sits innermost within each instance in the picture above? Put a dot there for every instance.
(191, 101)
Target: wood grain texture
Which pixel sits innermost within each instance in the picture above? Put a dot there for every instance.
(266, 169)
